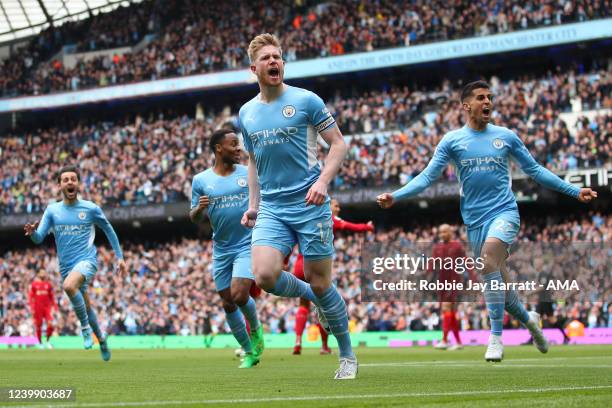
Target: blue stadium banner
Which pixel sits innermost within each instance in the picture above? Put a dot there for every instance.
(541, 37)
(125, 214)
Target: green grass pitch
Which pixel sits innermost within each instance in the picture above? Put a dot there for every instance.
(567, 376)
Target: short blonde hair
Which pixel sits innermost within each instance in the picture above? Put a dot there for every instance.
(261, 41)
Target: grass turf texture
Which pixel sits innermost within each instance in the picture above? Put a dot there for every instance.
(567, 376)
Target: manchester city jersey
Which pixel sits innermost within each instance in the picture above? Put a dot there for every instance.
(74, 229)
(482, 163)
(229, 199)
(283, 137)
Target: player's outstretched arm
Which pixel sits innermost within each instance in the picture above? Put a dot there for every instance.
(102, 222)
(337, 151)
(434, 168)
(249, 217)
(38, 231)
(340, 224)
(544, 176)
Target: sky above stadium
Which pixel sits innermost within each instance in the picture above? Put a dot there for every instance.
(23, 18)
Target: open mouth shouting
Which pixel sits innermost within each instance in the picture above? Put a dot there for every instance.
(274, 73)
(70, 190)
(486, 112)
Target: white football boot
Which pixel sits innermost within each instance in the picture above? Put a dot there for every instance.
(533, 325)
(495, 350)
(348, 369)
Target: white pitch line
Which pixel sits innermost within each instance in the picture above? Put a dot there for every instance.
(315, 398)
(475, 365)
(447, 362)
(504, 365)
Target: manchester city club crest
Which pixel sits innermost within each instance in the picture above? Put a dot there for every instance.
(242, 182)
(498, 143)
(81, 215)
(288, 111)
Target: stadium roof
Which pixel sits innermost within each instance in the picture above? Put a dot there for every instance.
(23, 18)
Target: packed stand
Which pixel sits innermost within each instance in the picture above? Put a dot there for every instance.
(169, 289)
(416, 122)
(142, 162)
(153, 160)
(31, 71)
(188, 40)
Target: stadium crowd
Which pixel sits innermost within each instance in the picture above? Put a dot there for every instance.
(393, 133)
(169, 289)
(32, 68)
(418, 120)
(188, 42)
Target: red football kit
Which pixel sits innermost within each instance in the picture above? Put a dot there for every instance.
(42, 302)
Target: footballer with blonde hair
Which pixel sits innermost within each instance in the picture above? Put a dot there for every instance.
(288, 200)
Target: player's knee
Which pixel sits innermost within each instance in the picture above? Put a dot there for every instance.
(228, 306)
(265, 281)
(70, 289)
(490, 266)
(240, 298)
(266, 275)
(490, 263)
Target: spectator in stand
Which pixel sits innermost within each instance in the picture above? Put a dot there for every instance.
(187, 42)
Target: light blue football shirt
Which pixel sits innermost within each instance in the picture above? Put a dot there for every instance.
(283, 137)
(74, 229)
(229, 199)
(482, 163)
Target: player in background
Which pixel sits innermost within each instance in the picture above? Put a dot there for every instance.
(301, 318)
(223, 192)
(447, 247)
(72, 222)
(42, 303)
(546, 304)
(481, 151)
(288, 201)
(207, 330)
